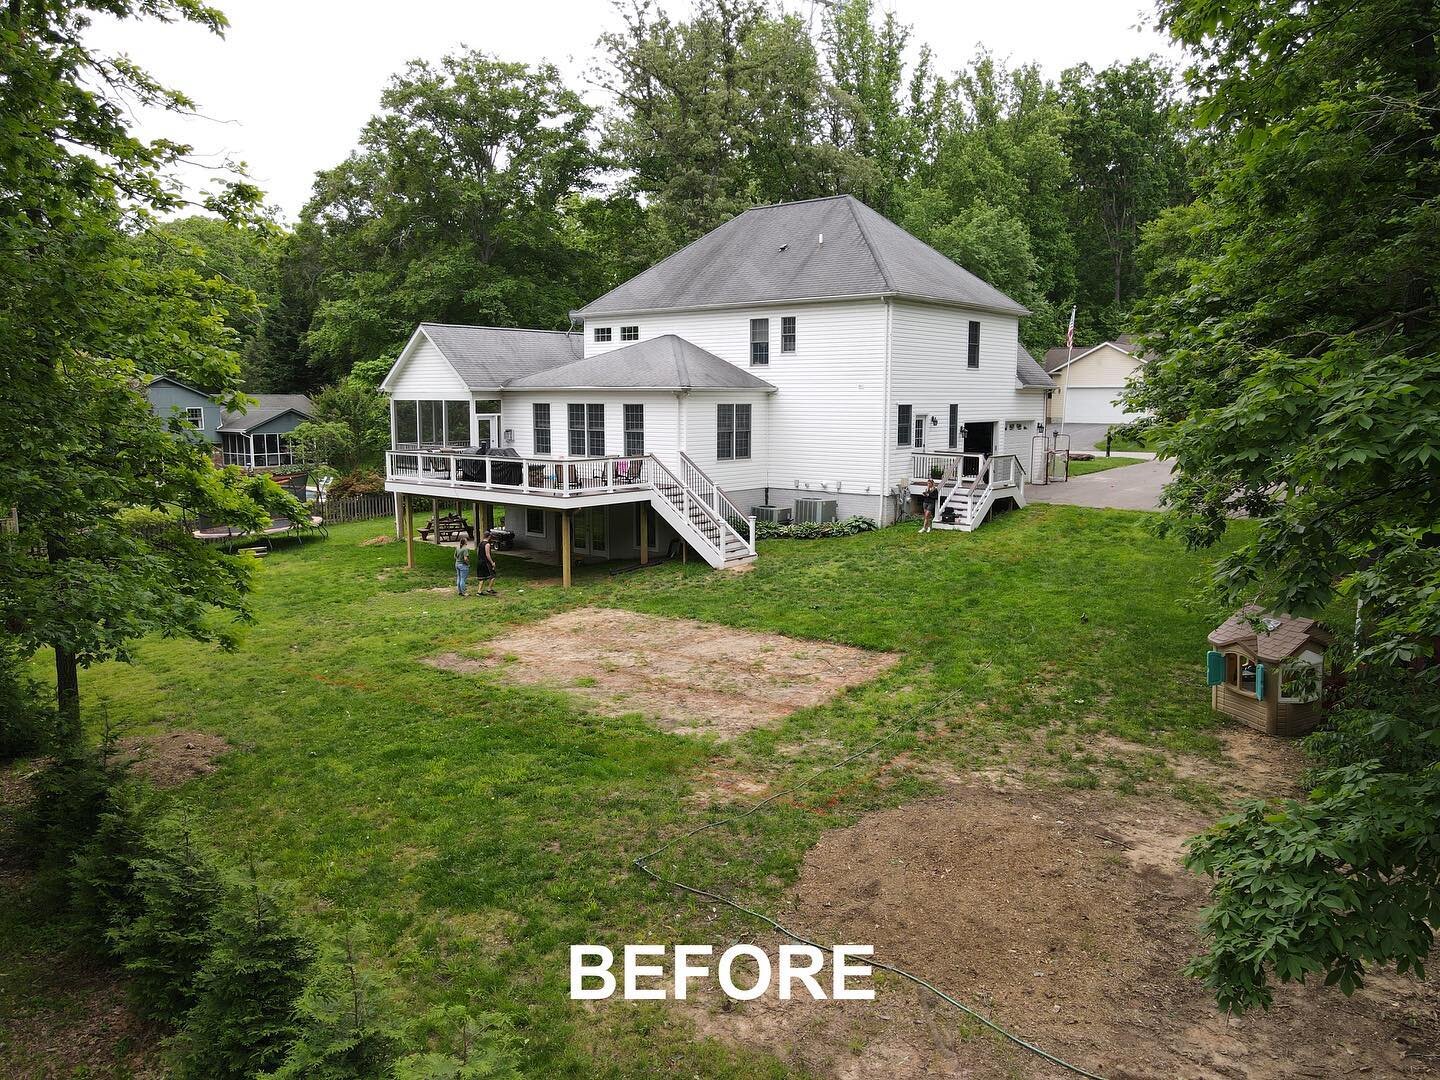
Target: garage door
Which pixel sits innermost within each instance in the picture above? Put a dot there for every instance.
(1095, 405)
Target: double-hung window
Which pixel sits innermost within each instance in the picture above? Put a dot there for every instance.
(903, 429)
(787, 334)
(972, 353)
(759, 342)
(732, 432)
(602, 334)
(195, 417)
(587, 430)
(540, 427)
(634, 430)
(629, 333)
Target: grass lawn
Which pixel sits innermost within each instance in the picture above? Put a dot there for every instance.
(480, 828)
(1100, 464)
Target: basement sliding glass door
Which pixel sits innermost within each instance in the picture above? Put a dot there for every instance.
(588, 535)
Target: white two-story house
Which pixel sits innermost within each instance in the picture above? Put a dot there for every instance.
(804, 360)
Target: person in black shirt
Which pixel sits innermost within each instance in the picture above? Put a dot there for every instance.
(928, 499)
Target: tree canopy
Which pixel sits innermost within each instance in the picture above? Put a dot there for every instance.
(1296, 379)
(85, 315)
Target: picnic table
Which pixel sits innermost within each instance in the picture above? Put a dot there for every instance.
(451, 528)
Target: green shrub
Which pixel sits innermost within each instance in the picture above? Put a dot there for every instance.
(345, 1013)
(472, 1047)
(768, 530)
(72, 795)
(359, 482)
(177, 890)
(244, 1017)
(27, 724)
(101, 876)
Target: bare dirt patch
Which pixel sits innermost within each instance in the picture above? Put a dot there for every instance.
(689, 677)
(1064, 917)
(170, 759)
(85, 1027)
(376, 541)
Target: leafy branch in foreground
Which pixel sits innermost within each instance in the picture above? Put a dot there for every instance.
(1295, 378)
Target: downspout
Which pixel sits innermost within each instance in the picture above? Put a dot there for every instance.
(885, 417)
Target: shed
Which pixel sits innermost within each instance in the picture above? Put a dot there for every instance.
(1267, 670)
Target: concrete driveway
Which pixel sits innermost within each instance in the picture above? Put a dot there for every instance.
(1130, 487)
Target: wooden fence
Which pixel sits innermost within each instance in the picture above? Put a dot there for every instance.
(358, 508)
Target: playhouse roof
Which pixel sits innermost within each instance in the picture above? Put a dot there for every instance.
(1285, 636)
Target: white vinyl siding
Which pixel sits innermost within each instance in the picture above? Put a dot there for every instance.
(929, 372)
(824, 430)
(662, 435)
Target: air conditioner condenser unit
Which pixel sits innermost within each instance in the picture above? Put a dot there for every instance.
(815, 511)
(779, 515)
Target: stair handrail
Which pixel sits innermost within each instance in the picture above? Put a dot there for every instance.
(717, 494)
(719, 526)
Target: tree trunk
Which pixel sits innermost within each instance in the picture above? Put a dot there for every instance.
(67, 696)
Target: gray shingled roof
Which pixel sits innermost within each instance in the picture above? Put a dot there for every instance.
(667, 362)
(267, 407)
(773, 253)
(488, 357)
(1029, 371)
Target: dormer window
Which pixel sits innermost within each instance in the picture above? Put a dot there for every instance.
(602, 334)
(629, 333)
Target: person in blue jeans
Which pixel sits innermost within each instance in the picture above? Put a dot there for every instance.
(462, 565)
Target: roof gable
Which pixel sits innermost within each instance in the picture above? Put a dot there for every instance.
(487, 357)
(266, 408)
(667, 362)
(817, 249)
(1061, 357)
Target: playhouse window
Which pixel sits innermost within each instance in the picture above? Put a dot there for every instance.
(1232, 669)
(1246, 682)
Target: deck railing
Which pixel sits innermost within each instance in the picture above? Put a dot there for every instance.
(556, 477)
(950, 465)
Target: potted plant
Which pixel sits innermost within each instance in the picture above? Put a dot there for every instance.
(937, 472)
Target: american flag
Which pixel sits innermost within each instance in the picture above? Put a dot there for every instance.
(1070, 331)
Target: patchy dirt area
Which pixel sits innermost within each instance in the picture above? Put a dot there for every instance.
(690, 677)
(1065, 917)
(84, 1027)
(170, 759)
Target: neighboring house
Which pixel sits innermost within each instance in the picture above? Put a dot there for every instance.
(254, 439)
(1089, 382)
(810, 359)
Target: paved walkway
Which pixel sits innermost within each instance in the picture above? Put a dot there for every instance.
(1130, 487)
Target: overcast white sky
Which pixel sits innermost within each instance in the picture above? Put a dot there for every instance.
(293, 81)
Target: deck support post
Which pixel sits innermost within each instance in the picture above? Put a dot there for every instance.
(407, 511)
(489, 510)
(479, 532)
(565, 548)
(644, 533)
(435, 521)
(399, 515)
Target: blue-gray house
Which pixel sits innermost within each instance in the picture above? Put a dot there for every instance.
(254, 439)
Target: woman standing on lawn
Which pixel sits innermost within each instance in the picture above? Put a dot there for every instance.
(927, 504)
(462, 565)
(485, 566)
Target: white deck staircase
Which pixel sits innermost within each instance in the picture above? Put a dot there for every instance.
(966, 501)
(695, 507)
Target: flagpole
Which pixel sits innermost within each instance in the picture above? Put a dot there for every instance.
(1065, 394)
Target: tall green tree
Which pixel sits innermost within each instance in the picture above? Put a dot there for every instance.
(713, 114)
(242, 255)
(82, 320)
(1127, 164)
(1296, 380)
(451, 209)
